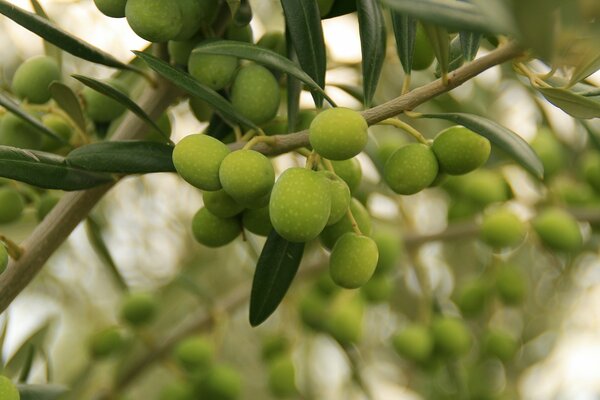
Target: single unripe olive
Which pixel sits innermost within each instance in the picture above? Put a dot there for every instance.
(201, 109)
(389, 248)
(415, 343)
(177, 391)
(11, 205)
(511, 285)
(101, 108)
(195, 353)
(274, 346)
(255, 93)
(388, 146)
(473, 297)
(221, 204)
(423, 55)
(15, 132)
(502, 228)
(60, 127)
(32, 78)
(246, 175)
(162, 136)
(8, 390)
(451, 336)
(193, 16)
(313, 310)
(105, 343)
(558, 230)
(590, 166)
(139, 308)
(353, 260)
(332, 233)
(483, 187)
(350, 171)
(274, 41)
(340, 197)
(460, 150)
(277, 126)
(461, 209)
(572, 192)
(213, 70)
(550, 152)
(325, 6)
(257, 221)
(46, 204)
(220, 383)
(282, 376)
(338, 133)
(344, 322)
(180, 50)
(500, 344)
(3, 257)
(411, 169)
(111, 8)
(305, 118)
(300, 204)
(197, 158)
(154, 20)
(378, 289)
(240, 33)
(212, 231)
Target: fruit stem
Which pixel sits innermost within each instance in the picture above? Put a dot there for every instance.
(270, 140)
(533, 78)
(406, 84)
(353, 222)
(14, 250)
(405, 127)
(312, 160)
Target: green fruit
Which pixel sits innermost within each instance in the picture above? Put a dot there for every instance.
(344, 322)
(502, 228)
(60, 127)
(277, 126)
(460, 150)
(572, 192)
(257, 221)
(332, 233)
(154, 20)
(590, 166)
(325, 6)
(220, 383)
(32, 78)
(106, 343)
(246, 175)
(378, 289)
(558, 230)
(274, 41)
(411, 169)
(240, 33)
(461, 209)
(500, 344)
(194, 353)
(550, 151)
(472, 298)
(111, 8)
(101, 108)
(213, 70)
(313, 310)
(300, 204)
(180, 50)
(274, 346)
(221, 204)
(255, 93)
(3, 257)
(282, 377)
(389, 248)
(197, 158)
(340, 197)
(388, 146)
(305, 118)
(162, 136)
(338, 133)
(353, 260)
(325, 285)
(193, 15)
(46, 204)
(177, 391)
(11, 205)
(423, 55)
(484, 187)
(350, 171)
(212, 231)
(201, 109)
(15, 132)
(414, 343)
(511, 285)
(139, 308)
(8, 390)
(451, 336)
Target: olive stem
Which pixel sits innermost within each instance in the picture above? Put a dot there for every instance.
(353, 222)
(259, 139)
(395, 122)
(533, 78)
(406, 84)
(14, 250)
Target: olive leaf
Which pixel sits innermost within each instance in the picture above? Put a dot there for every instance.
(573, 104)
(405, 31)
(49, 49)
(440, 43)
(42, 392)
(372, 42)
(66, 99)
(94, 234)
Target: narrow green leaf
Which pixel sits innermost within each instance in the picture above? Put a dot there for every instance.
(14, 108)
(504, 138)
(218, 127)
(42, 392)
(340, 7)
(49, 49)
(66, 99)
(405, 31)
(195, 88)
(46, 170)
(304, 24)
(275, 271)
(589, 63)
(123, 157)
(262, 56)
(455, 58)
(440, 43)
(372, 43)
(27, 364)
(573, 104)
(448, 13)
(294, 89)
(121, 98)
(94, 234)
(469, 44)
(58, 37)
(18, 360)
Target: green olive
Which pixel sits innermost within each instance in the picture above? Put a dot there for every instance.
(350, 171)
(213, 70)
(473, 297)
(423, 55)
(500, 344)
(411, 169)
(197, 159)
(194, 353)
(212, 231)
(257, 221)
(332, 233)
(414, 342)
(282, 376)
(15, 132)
(338, 133)
(111, 8)
(154, 20)
(8, 390)
(139, 308)
(247, 176)
(558, 230)
(255, 93)
(353, 260)
(340, 197)
(460, 150)
(33, 78)
(11, 205)
(221, 204)
(106, 343)
(101, 108)
(511, 284)
(220, 383)
(502, 228)
(451, 336)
